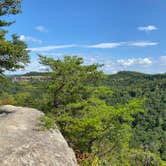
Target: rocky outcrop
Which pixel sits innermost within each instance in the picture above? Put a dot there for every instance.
(21, 144)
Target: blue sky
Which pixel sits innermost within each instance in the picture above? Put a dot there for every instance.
(124, 35)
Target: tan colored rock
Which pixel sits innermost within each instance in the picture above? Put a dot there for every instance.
(22, 145)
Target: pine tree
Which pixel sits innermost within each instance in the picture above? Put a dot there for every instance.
(13, 53)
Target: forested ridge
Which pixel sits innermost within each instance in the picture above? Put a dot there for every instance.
(149, 126)
(140, 134)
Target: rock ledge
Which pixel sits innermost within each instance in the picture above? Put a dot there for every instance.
(22, 145)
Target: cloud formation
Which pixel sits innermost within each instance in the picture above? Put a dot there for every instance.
(41, 28)
(106, 45)
(44, 69)
(111, 63)
(147, 28)
(118, 44)
(143, 43)
(134, 61)
(163, 60)
(99, 45)
(30, 39)
(50, 48)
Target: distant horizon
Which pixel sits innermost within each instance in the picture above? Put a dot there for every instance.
(104, 73)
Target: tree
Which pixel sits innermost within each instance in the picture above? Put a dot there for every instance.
(13, 53)
(80, 109)
(70, 79)
(8, 7)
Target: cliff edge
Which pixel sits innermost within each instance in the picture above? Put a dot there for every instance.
(21, 144)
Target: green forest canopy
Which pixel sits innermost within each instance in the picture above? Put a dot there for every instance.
(106, 119)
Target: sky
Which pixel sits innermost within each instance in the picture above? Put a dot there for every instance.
(122, 35)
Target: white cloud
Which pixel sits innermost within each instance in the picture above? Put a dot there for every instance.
(52, 54)
(147, 28)
(106, 45)
(99, 45)
(44, 69)
(49, 48)
(30, 39)
(41, 28)
(134, 61)
(162, 60)
(35, 66)
(142, 43)
(118, 44)
(111, 63)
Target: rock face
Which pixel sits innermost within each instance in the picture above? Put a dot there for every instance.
(22, 145)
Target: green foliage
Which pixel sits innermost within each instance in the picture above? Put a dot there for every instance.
(102, 120)
(70, 79)
(13, 53)
(47, 123)
(9, 7)
(140, 158)
(92, 120)
(148, 127)
(81, 110)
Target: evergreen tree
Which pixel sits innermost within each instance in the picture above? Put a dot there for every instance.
(13, 53)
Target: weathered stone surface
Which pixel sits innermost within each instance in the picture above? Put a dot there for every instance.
(22, 145)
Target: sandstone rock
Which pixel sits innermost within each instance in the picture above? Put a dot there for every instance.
(22, 145)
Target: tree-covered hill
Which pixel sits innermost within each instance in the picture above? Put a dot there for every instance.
(143, 132)
(150, 126)
(125, 75)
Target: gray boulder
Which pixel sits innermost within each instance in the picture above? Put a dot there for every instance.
(21, 144)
